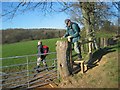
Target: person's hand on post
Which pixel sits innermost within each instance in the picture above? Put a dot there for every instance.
(69, 38)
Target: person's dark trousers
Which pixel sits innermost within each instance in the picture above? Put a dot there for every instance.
(46, 66)
(79, 54)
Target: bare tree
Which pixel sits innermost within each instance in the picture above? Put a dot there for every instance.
(15, 8)
(90, 14)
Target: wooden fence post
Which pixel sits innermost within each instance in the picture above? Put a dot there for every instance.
(99, 42)
(105, 41)
(70, 57)
(63, 59)
(102, 41)
(90, 47)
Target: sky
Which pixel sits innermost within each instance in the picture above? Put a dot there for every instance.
(35, 19)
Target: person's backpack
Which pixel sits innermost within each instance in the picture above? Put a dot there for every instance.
(45, 49)
(77, 26)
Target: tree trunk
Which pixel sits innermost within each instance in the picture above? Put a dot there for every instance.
(63, 59)
(85, 7)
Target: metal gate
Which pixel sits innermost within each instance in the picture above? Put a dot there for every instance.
(18, 71)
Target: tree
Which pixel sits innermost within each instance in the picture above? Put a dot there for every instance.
(92, 13)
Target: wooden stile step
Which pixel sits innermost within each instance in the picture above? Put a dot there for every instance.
(82, 65)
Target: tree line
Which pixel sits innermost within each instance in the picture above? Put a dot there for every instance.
(17, 35)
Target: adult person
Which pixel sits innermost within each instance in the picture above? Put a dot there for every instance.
(42, 53)
(73, 35)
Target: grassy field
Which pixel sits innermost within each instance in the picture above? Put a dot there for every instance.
(25, 48)
(22, 49)
(105, 34)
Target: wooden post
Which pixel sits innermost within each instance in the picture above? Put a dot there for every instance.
(102, 42)
(85, 67)
(105, 41)
(82, 65)
(90, 48)
(70, 56)
(63, 63)
(99, 42)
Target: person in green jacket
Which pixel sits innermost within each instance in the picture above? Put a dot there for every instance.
(73, 35)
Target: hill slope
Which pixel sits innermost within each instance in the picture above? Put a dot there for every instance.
(104, 75)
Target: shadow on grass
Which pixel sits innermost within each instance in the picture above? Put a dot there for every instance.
(97, 55)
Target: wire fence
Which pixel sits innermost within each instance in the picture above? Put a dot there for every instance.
(19, 71)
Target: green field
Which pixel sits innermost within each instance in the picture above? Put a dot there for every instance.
(27, 53)
(25, 48)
